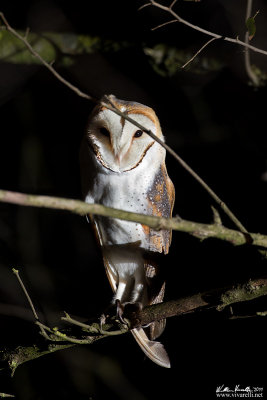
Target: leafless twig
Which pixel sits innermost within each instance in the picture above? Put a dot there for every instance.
(164, 23)
(46, 64)
(169, 10)
(198, 52)
(249, 70)
(144, 6)
(16, 272)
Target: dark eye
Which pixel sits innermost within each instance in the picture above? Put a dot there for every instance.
(138, 133)
(104, 131)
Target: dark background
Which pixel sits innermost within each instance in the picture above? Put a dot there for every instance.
(215, 120)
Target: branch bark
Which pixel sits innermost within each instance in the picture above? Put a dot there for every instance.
(199, 230)
(215, 299)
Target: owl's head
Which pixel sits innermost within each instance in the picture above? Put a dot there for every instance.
(118, 144)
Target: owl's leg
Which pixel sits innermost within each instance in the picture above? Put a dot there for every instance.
(120, 293)
(120, 290)
(133, 290)
(139, 291)
(138, 298)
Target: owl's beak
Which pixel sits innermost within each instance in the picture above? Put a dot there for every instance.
(119, 151)
(119, 158)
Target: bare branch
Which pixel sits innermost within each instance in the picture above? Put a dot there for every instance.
(45, 63)
(201, 231)
(16, 272)
(198, 52)
(144, 6)
(205, 31)
(172, 4)
(250, 72)
(165, 23)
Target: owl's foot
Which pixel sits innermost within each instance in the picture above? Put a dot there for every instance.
(129, 313)
(119, 311)
(104, 332)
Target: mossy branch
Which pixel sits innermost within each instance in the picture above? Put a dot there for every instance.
(62, 339)
(199, 230)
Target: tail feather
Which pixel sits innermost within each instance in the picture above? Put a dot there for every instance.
(156, 328)
(153, 350)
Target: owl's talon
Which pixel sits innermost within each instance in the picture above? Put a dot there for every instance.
(102, 320)
(119, 311)
(128, 313)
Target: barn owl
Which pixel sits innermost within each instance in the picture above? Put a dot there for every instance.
(124, 168)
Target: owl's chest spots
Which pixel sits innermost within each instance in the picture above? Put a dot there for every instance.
(126, 193)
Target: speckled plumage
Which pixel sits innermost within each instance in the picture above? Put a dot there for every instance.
(122, 167)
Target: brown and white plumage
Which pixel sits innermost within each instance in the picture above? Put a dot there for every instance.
(124, 168)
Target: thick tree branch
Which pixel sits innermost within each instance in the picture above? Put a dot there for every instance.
(201, 231)
(215, 299)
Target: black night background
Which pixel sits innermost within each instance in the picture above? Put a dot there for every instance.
(211, 116)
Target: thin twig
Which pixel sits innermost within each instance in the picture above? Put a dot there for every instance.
(16, 272)
(198, 52)
(144, 6)
(55, 335)
(45, 63)
(165, 23)
(113, 108)
(205, 31)
(249, 70)
(172, 4)
(82, 325)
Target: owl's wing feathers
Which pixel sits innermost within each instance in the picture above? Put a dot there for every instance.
(161, 198)
(152, 349)
(98, 236)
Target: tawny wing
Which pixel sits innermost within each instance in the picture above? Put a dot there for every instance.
(111, 278)
(152, 349)
(161, 200)
(160, 203)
